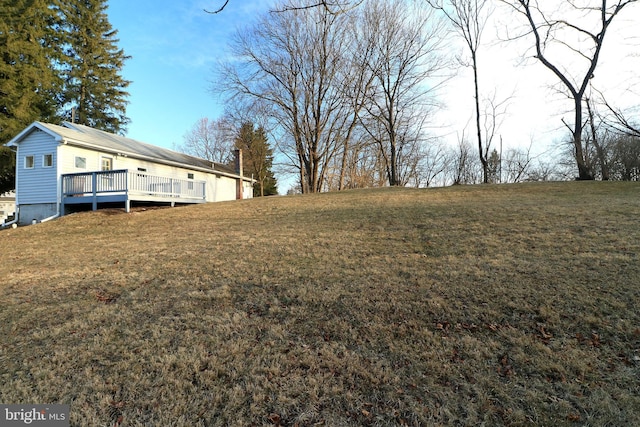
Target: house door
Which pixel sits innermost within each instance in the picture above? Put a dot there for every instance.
(107, 164)
(107, 184)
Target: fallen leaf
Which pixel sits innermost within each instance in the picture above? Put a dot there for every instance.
(275, 419)
(546, 335)
(574, 418)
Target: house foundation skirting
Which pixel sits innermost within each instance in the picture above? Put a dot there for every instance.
(38, 212)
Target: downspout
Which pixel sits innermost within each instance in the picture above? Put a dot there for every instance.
(10, 223)
(52, 216)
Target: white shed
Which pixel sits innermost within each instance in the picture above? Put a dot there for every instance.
(61, 166)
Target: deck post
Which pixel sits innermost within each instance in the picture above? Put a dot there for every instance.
(62, 195)
(94, 188)
(127, 202)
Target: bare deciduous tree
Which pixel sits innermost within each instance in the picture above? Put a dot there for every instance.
(293, 62)
(209, 139)
(463, 168)
(406, 58)
(434, 164)
(568, 40)
(469, 17)
(516, 164)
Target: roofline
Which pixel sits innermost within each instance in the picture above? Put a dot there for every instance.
(214, 171)
(14, 142)
(16, 139)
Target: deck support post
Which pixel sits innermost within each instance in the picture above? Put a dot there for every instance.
(94, 188)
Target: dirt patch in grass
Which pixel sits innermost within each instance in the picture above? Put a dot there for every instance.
(503, 305)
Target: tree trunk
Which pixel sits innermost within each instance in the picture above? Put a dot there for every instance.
(584, 171)
(393, 172)
(604, 168)
(483, 158)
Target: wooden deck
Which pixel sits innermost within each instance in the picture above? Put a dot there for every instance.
(125, 186)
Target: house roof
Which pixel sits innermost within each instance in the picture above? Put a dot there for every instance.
(85, 136)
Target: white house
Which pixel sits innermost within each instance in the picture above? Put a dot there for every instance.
(61, 167)
(7, 206)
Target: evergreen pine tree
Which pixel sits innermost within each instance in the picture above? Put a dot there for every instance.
(28, 82)
(7, 170)
(94, 89)
(493, 167)
(258, 159)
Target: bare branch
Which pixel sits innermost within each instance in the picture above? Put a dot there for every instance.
(333, 8)
(219, 10)
(545, 32)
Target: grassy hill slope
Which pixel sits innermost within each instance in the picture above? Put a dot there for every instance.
(509, 305)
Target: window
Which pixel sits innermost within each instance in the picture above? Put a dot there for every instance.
(47, 161)
(107, 164)
(190, 184)
(29, 162)
(81, 162)
(142, 169)
(189, 176)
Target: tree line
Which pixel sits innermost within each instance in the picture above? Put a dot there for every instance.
(217, 139)
(346, 89)
(59, 60)
(349, 89)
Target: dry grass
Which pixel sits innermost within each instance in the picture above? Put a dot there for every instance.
(502, 305)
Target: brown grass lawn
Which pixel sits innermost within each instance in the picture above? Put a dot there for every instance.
(502, 305)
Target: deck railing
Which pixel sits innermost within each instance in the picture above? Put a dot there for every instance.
(87, 184)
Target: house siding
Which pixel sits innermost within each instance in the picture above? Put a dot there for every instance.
(68, 154)
(38, 184)
(218, 187)
(226, 189)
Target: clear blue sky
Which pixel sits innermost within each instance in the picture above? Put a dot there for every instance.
(174, 46)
